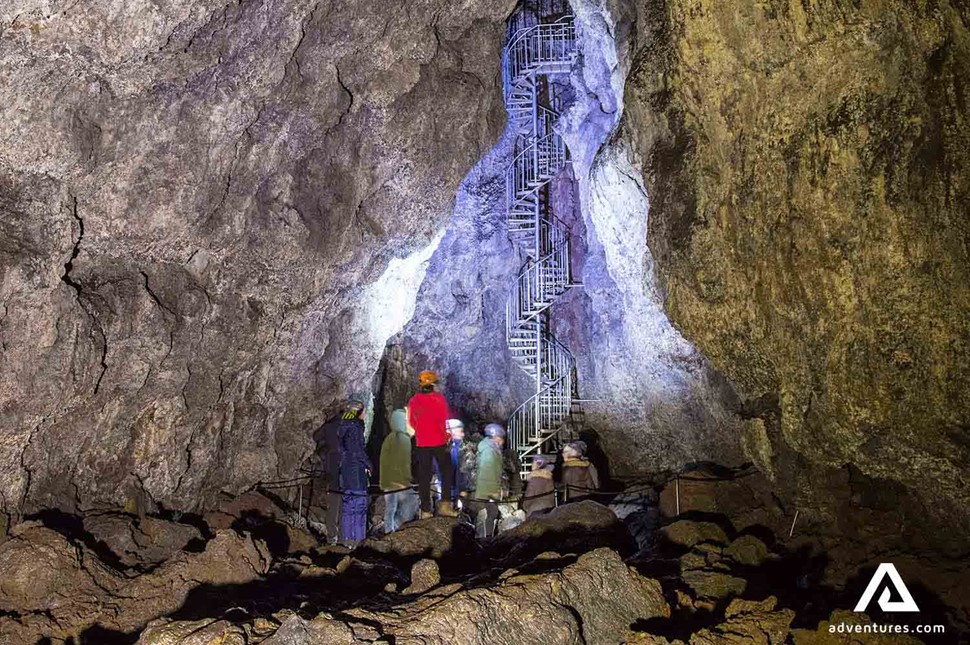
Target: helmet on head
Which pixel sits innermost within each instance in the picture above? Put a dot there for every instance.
(353, 409)
(494, 430)
(454, 424)
(576, 447)
(540, 461)
(427, 377)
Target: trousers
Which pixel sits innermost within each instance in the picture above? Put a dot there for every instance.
(427, 455)
(399, 509)
(334, 503)
(353, 516)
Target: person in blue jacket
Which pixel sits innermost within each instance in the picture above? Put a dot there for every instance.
(355, 470)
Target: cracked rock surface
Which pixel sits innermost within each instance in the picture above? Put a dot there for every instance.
(195, 198)
(573, 579)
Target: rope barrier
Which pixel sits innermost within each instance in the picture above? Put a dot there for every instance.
(509, 500)
(301, 480)
(750, 470)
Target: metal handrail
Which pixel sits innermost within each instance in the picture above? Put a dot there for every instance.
(568, 19)
(531, 147)
(524, 32)
(534, 274)
(517, 64)
(525, 176)
(521, 442)
(539, 120)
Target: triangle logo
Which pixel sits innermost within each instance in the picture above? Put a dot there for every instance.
(906, 602)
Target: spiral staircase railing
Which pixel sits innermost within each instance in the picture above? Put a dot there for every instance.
(544, 420)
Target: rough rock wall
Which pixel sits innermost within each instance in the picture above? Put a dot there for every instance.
(195, 199)
(657, 402)
(808, 171)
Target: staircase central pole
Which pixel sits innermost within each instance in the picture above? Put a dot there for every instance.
(537, 245)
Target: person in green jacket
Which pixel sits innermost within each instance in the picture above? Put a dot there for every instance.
(401, 502)
(488, 480)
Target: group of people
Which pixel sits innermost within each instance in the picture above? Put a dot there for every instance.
(427, 444)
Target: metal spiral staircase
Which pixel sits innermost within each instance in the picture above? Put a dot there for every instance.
(534, 53)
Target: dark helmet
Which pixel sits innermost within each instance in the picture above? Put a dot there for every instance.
(353, 409)
(494, 430)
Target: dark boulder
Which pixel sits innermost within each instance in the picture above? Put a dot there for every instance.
(571, 528)
(449, 542)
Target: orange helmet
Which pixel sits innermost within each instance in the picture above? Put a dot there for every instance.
(427, 377)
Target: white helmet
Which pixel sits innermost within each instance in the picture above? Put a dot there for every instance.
(454, 424)
(577, 448)
(494, 430)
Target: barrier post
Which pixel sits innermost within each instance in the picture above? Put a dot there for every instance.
(677, 488)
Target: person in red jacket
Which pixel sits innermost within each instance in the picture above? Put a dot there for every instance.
(428, 414)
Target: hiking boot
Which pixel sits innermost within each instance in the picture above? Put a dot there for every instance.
(426, 515)
(446, 509)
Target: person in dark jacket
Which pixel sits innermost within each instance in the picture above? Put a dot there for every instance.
(355, 469)
(327, 438)
(401, 503)
(540, 488)
(462, 459)
(579, 476)
(428, 414)
(511, 478)
(468, 464)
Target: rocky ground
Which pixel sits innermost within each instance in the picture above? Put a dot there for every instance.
(581, 574)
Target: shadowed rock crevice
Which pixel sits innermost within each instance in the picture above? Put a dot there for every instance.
(75, 251)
